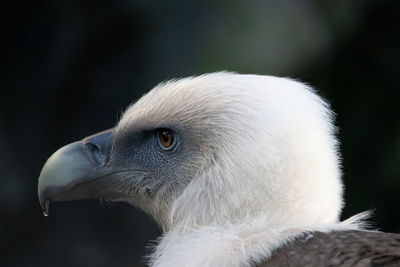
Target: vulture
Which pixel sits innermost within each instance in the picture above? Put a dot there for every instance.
(238, 170)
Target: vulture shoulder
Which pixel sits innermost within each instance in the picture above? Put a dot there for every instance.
(339, 248)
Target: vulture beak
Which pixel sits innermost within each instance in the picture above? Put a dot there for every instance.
(78, 171)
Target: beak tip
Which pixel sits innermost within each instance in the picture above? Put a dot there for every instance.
(44, 199)
(44, 204)
(45, 207)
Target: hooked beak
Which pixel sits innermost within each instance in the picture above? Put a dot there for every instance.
(78, 171)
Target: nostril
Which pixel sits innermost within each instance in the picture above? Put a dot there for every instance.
(94, 152)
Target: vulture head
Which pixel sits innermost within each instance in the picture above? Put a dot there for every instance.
(225, 163)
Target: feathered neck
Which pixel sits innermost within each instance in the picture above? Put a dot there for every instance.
(237, 244)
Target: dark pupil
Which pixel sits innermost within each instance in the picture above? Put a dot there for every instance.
(166, 136)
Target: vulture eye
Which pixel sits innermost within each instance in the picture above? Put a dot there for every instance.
(166, 138)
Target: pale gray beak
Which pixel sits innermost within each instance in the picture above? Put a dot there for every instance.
(78, 171)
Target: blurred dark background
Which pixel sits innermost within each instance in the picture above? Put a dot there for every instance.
(69, 68)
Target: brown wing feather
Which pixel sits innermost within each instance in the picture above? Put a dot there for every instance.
(339, 248)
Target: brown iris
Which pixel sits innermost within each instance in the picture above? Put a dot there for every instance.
(166, 138)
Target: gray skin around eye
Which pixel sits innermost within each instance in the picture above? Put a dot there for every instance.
(165, 170)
